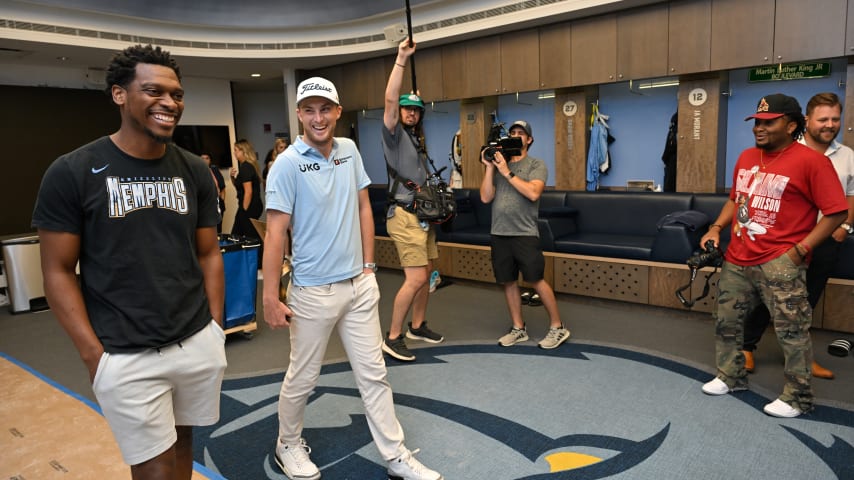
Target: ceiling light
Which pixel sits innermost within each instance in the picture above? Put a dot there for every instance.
(658, 84)
(255, 75)
(62, 58)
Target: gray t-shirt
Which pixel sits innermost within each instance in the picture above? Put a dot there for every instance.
(512, 213)
(401, 155)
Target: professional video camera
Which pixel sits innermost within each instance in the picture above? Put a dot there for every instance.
(508, 146)
(711, 256)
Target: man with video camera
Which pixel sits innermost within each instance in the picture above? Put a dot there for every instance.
(515, 236)
(779, 186)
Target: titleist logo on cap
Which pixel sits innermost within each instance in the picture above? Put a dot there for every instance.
(317, 87)
(308, 87)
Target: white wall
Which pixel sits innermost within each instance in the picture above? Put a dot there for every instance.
(252, 110)
(208, 102)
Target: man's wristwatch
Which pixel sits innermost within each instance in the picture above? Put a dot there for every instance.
(847, 227)
(371, 265)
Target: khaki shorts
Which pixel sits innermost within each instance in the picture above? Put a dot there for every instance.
(414, 246)
(145, 395)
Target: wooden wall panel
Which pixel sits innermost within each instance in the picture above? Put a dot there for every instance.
(520, 69)
(795, 19)
(475, 122)
(602, 279)
(848, 111)
(689, 36)
(641, 43)
(453, 66)
(555, 58)
(663, 283)
(571, 137)
(594, 50)
(700, 146)
(838, 299)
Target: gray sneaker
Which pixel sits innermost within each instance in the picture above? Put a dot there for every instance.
(406, 467)
(294, 461)
(397, 349)
(554, 338)
(514, 336)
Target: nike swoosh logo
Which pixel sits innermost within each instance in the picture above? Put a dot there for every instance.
(99, 170)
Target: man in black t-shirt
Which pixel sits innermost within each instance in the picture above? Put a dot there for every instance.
(139, 214)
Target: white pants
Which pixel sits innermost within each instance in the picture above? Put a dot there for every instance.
(351, 306)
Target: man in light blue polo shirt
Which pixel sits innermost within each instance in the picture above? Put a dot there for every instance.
(319, 190)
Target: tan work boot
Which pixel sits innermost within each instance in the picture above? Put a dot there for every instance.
(749, 365)
(820, 372)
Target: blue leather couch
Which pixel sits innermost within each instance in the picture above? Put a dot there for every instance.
(629, 225)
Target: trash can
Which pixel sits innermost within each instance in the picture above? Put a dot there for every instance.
(24, 279)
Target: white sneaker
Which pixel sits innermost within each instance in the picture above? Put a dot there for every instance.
(716, 387)
(514, 336)
(406, 467)
(779, 408)
(294, 461)
(554, 338)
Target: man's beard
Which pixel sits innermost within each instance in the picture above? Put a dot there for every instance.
(158, 138)
(818, 138)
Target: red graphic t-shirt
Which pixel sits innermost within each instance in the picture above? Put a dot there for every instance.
(777, 198)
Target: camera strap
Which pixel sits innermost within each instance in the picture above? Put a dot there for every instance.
(399, 180)
(690, 303)
(422, 154)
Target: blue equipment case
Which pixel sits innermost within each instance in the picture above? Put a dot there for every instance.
(240, 261)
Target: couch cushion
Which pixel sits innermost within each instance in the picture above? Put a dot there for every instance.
(637, 247)
(615, 213)
(472, 222)
(552, 198)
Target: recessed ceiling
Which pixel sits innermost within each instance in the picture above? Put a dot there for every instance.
(230, 40)
(244, 14)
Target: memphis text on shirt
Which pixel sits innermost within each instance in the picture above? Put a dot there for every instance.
(767, 193)
(130, 194)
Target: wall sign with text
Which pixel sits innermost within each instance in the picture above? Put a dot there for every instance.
(789, 71)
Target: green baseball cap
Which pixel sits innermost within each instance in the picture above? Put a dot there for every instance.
(410, 100)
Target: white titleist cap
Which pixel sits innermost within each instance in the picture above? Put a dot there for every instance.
(317, 87)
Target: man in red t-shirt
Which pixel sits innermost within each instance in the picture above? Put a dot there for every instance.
(778, 189)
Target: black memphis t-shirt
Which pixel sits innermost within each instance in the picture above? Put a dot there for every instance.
(137, 219)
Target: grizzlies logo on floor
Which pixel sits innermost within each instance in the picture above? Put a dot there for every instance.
(482, 412)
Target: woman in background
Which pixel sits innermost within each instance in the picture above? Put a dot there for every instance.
(279, 146)
(247, 182)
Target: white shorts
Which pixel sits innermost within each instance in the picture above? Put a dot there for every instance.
(144, 395)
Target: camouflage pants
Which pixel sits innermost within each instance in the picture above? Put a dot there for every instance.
(781, 286)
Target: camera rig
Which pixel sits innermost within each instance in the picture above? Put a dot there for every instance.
(508, 146)
(711, 256)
